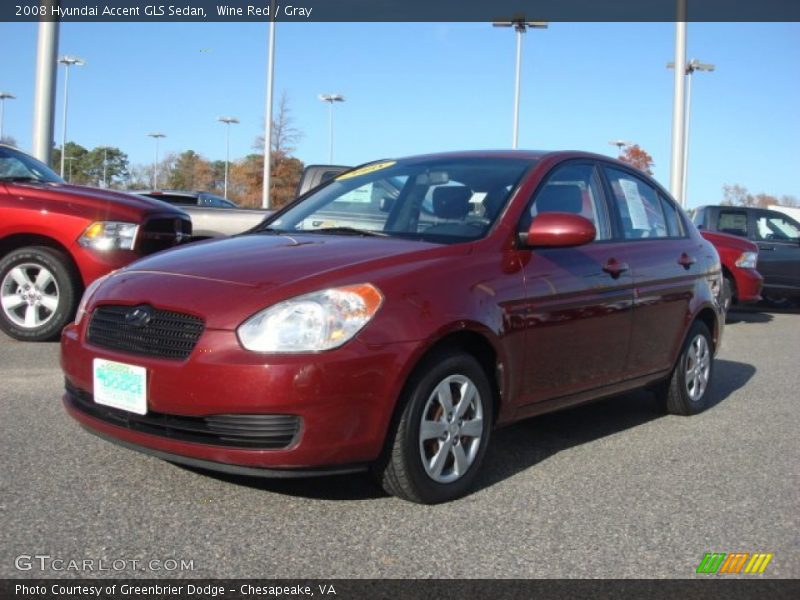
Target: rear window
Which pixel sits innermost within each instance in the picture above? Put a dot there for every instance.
(733, 222)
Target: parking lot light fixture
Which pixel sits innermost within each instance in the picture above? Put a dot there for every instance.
(156, 135)
(520, 26)
(67, 61)
(691, 66)
(228, 122)
(331, 98)
(620, 144)
(3, 97)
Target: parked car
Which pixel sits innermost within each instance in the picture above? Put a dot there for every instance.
(501, 285)
(741, 281)
(778, 238)
(55, 239)
(211, 215)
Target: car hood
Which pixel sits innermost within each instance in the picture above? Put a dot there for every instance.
(78, 194)
(727, 240)
(224, 281)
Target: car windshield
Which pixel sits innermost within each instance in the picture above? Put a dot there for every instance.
(17, 166)
(444, 200)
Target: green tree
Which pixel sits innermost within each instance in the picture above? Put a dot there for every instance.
(73, 165)
(190, 172)
(105, 166)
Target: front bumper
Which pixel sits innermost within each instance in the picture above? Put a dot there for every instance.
(748, 285)
(343, 398)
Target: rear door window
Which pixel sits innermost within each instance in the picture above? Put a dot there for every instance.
(672, 217)
(639, 206)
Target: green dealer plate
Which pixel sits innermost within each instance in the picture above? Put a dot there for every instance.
(120, 386)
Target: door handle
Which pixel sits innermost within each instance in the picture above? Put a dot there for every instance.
(686, 261)
(615, 268)
(768, 248)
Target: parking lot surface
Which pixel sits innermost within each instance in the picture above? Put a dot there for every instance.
(613, 489)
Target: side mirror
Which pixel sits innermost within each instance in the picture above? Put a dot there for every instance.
(558, 230)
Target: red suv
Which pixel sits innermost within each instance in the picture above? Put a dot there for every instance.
(393, 317)
(56, 238)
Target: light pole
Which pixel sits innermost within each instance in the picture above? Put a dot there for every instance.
(520, 26)
(67, 61)
(105, 167)
(3, 97)
(330, 99)
(156, 135)
(71, 159)
(265, 200)
(692, 66)
(620, 144)
(228, 121)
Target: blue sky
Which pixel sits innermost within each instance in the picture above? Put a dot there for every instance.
(423, 87)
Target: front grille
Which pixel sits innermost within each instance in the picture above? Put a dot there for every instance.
(160, 234)
(268, 432)
(166, 334)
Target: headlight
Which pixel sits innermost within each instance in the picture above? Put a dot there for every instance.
(109, 235)
(313, 322)
(87, 295)
(747, 260)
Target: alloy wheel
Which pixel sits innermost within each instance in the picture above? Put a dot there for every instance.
(451, 429)
(698, 368)
(29, 295)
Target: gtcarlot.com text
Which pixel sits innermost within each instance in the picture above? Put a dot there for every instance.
(46, 562)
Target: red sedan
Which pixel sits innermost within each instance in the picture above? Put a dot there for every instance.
(393, 317)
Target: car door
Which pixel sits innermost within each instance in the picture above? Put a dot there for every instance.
(778, 239)
(577, 307)
(665, 264)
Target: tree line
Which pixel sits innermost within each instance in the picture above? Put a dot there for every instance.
(109, 166)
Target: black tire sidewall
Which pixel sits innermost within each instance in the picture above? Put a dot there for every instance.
(428, 490)
(727, 295)
(58, 265)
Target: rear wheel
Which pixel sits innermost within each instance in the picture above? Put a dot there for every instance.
(443, 431)
(38, 293)
(687, 391)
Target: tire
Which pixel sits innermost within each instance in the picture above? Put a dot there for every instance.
(686, 392)
(443, 465)
(38, 293)
(777, 301)
(726, 297)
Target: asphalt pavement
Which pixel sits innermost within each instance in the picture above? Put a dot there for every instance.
(613, 489)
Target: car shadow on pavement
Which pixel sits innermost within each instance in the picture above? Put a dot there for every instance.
(735, 317)
(518, 447)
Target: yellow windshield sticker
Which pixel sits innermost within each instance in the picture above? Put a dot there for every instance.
(368, 169)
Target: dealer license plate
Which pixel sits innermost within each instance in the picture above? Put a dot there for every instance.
(120, 386)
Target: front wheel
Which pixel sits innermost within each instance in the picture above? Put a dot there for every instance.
(726, 297)
(38, 293)
(443, 431)
(687, 390)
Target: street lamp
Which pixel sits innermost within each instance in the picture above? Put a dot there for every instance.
(521, 26)
(3, 97)
(156, 135)
(228, 121)
(67, 61)
(620, 144)
(71, 159)
(692, 66)
(331, 98)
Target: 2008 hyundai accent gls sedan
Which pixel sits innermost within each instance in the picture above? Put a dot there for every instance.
(393, 317)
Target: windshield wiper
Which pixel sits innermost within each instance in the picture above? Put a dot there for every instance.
(348, 231)
(19, 178)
